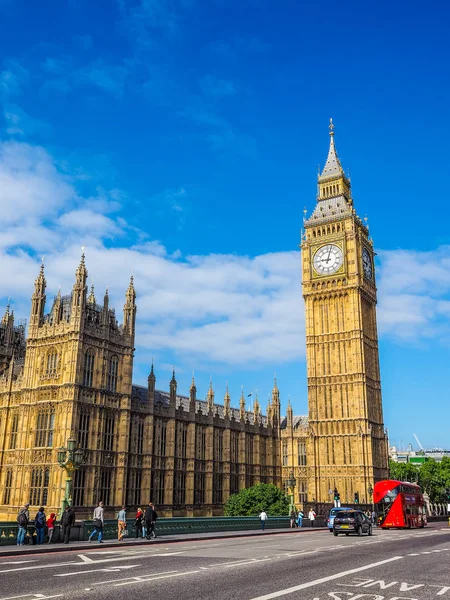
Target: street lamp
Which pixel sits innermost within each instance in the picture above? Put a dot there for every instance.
(370, 492)
(70, 460)
(290, 483)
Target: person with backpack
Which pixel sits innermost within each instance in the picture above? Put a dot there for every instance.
(22, 520)
(39, 523)
(67, 521)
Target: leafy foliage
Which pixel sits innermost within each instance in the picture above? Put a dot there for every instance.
(251, 501)
(433, 477)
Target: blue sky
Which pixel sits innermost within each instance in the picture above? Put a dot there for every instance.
(180, 141)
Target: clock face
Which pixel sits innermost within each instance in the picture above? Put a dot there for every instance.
(367, 264)
(328, 259)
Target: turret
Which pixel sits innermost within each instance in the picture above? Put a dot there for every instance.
(91, 299)
(129, 309)
(227, 404)
(5, 318)
(56, 312)
(151, 386)
(192, 396)
(173, 389)
(289, 415)
(38, 299)
(79, 290)
(276, 410)
(242, 406)
(256, 407)
(210, 397)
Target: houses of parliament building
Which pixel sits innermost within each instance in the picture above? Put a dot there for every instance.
(71, 376)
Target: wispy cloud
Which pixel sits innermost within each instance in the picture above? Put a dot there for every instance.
(215, 86)
(222, 309)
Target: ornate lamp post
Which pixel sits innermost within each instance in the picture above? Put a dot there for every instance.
(70, 460)
(290, 483)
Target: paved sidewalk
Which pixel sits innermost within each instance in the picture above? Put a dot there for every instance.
(166, 539)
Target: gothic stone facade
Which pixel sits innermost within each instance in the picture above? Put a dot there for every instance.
(347, 445)
(141, 444)
(73, 377)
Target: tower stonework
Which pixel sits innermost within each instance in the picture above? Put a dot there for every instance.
(347, 447)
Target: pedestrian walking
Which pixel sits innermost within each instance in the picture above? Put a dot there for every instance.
(150, 520)
(138, 523)
(121, 523)
(51, 526)
(39, 523)
(300, 518)
(293, 516)
(97, 522)
(67, 521)
(311, 517)
(22, 520)
(374, 517)
(263, 518)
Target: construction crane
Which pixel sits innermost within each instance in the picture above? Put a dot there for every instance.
(418, 441)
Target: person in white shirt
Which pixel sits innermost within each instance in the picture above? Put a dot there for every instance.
(263, 518)
(97, 522)
(311, 517)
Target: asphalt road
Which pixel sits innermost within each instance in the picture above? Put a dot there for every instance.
(390, 565)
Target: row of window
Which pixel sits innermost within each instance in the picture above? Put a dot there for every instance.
(40, 479)
(111, 375)
(301, 453)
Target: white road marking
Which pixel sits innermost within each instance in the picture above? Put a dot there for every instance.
(144, 579)
(19, 562)
(131, 578)
(32, 596)
(315, 582)
(105, 570)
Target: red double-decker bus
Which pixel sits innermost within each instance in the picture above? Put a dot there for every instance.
(399, 504)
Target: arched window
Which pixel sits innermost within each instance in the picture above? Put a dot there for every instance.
(44, 429)
(88, 370)
(40, 478)
(52, 362)
(113, 369)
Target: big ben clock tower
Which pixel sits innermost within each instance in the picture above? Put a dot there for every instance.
(347, 447)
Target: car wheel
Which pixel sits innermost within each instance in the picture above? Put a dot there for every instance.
(359, 531)
(335, 533)
(347, 534)
(330, 530)
(370, 530)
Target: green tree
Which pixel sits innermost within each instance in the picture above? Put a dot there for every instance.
(403, 471)
(251, 501)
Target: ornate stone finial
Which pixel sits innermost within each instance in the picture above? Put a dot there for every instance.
(210, 396)
(6, 315)
(227, 403)
(173, 380)
(331, 127)
(81, 272)
(193, 382)
(152, 369)
(91, 298)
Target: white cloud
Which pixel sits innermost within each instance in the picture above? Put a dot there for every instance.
(222, 308)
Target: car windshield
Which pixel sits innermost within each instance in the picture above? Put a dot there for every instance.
(335, 511)
(345, 514)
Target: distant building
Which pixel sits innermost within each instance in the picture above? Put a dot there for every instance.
(417, 457)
